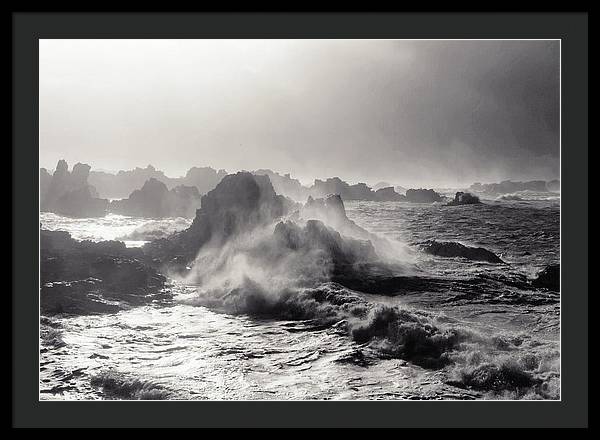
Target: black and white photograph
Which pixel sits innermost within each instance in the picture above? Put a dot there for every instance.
(299, 219)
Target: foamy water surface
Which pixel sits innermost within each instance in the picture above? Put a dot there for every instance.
(177, 350)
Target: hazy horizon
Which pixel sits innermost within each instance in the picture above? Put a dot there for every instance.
(411, 113)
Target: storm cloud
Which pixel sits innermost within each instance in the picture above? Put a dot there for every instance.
(412, 113)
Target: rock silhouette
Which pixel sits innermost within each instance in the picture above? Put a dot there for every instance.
(452, 249)
(462, 198)
(240, 203)
(123, 183)
(154, 200)
(68, 193)
(422, 196)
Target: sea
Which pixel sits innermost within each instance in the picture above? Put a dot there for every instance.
(509, 344)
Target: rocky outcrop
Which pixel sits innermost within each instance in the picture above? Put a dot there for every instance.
(123, 183)
(359, 191)
(83, 277)
(422, 196)
(331, 211)
(240, 203)
(462, 198)
(335, 185)
(450, 249)
(156, 201)
(68, 193)
(120, 185)
(324, 241)
(548, 278)
(388, 194)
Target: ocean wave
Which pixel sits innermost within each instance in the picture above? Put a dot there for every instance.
(156, 229)
(117, 385)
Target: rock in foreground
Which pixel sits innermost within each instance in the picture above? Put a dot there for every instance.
(83, 277)
(240, 203)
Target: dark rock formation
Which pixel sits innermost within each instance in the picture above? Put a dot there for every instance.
(82, 277)
(240, 203)
(335, 185)
(316, 237)
(389, 195)
(330, 210)
(359, 191)
(120, 185)
(68, 193)
(155, 200)
(548, 278)
(462, 198)
(422, 196)
(507, 187)
(452, 249)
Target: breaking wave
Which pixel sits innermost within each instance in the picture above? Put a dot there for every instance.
(116, 385)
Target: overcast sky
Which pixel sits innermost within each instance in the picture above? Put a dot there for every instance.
(416, 113)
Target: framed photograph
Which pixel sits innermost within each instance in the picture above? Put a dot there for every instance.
(300, 220)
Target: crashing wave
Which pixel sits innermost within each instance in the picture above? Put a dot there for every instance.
(156, 229)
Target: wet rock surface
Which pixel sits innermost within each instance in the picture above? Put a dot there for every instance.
(452, 249)
(240, 202)
(82, 277)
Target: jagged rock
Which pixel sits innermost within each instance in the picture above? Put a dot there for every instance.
(335, 185)
(155, 200)
(330, 210)
(316, 236)
(123, 183)
(548, 278)
(452, 249)
(388, 194)
(422, 196)
(240, 203)
(462, 198)
(69, 193)
(85, 277)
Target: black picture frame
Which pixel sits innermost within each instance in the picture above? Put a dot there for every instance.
(570, 411)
